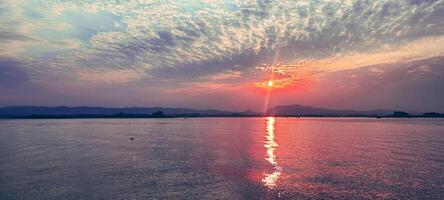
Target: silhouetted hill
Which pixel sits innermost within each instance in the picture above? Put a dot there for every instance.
(433, 115)
(63, 110)
(400, 114)
(36, 112)
(298, 110)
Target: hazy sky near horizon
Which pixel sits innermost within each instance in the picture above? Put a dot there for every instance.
(357, 54)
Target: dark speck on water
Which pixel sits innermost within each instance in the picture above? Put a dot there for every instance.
(222, 158)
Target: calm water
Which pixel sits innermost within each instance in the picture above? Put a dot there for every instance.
(222, 158)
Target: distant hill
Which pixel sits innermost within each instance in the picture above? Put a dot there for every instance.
(299, 110)
(63, 110)
(35, 112)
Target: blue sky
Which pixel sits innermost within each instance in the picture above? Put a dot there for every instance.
(216, 54)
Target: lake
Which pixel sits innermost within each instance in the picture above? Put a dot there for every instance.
(222, 158)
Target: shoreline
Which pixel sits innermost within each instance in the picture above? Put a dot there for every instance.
(197, 116)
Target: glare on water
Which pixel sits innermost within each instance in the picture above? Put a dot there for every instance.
(270, 147)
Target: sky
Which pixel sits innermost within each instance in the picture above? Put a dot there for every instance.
(220, 54)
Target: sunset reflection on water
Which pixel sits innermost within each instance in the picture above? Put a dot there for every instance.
(222, 158)
(270, 147)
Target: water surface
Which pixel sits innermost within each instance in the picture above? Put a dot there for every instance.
(222, 158)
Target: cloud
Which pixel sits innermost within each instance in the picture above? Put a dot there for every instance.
(226, 75)
(173, 44)
(12, 74)
(183, 33)
(116, 76)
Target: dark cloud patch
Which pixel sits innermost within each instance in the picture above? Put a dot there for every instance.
(158, 44)
(189, 32)
(260, 10)
(162, 42)
(419, 2)
(240, 62)
(12, 73)
(357, 6)
(437, 14)
(388, 9)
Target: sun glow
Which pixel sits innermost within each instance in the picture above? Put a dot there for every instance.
(275, 84)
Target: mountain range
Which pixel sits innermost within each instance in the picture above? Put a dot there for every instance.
(64, 110)
(299, 110)
(286, 110)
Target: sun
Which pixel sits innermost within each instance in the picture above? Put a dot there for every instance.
(270, 83)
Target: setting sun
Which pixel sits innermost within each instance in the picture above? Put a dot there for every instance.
(270, 83)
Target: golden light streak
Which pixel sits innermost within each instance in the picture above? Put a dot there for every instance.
(267, 99)
(270, 147)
